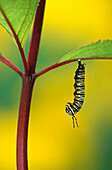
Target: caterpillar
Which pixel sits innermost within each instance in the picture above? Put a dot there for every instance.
(79, 94)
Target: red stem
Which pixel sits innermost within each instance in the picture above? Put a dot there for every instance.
(11, 65)
(56, 65)
(27, 86)
(17, 41)
(35, 40)
(22, 133)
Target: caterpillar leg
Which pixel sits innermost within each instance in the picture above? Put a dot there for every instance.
(73, 117)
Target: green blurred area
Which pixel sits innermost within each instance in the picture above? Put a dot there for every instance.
(53, 144)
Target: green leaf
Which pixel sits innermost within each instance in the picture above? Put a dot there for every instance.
(95, 50)
(20, 14)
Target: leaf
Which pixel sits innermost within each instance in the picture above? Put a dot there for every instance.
(95, 50)
(20, 14)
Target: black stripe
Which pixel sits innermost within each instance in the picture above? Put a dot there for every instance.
(81, 101)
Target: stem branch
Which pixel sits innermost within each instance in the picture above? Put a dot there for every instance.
(56, 65)
(11, 65)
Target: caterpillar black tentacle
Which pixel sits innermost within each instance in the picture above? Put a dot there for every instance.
(79, 94)
(73, 117)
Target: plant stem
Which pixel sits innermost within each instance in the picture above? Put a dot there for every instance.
(36, 34)
(22, 132)
(27, 87)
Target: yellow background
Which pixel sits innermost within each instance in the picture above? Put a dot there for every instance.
(53, 144)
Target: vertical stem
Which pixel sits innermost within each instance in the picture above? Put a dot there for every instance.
(22, 132)
(36, 34)
(27, 87)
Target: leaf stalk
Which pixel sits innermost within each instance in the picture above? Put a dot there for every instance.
(17, 41)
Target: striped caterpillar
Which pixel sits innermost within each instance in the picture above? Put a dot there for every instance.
(79, 94)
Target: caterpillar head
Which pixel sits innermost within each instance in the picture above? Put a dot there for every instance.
(69, 110)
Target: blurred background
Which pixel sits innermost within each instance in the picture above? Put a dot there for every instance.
(53, 144)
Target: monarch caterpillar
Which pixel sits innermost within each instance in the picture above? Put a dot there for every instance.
(79, 94)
